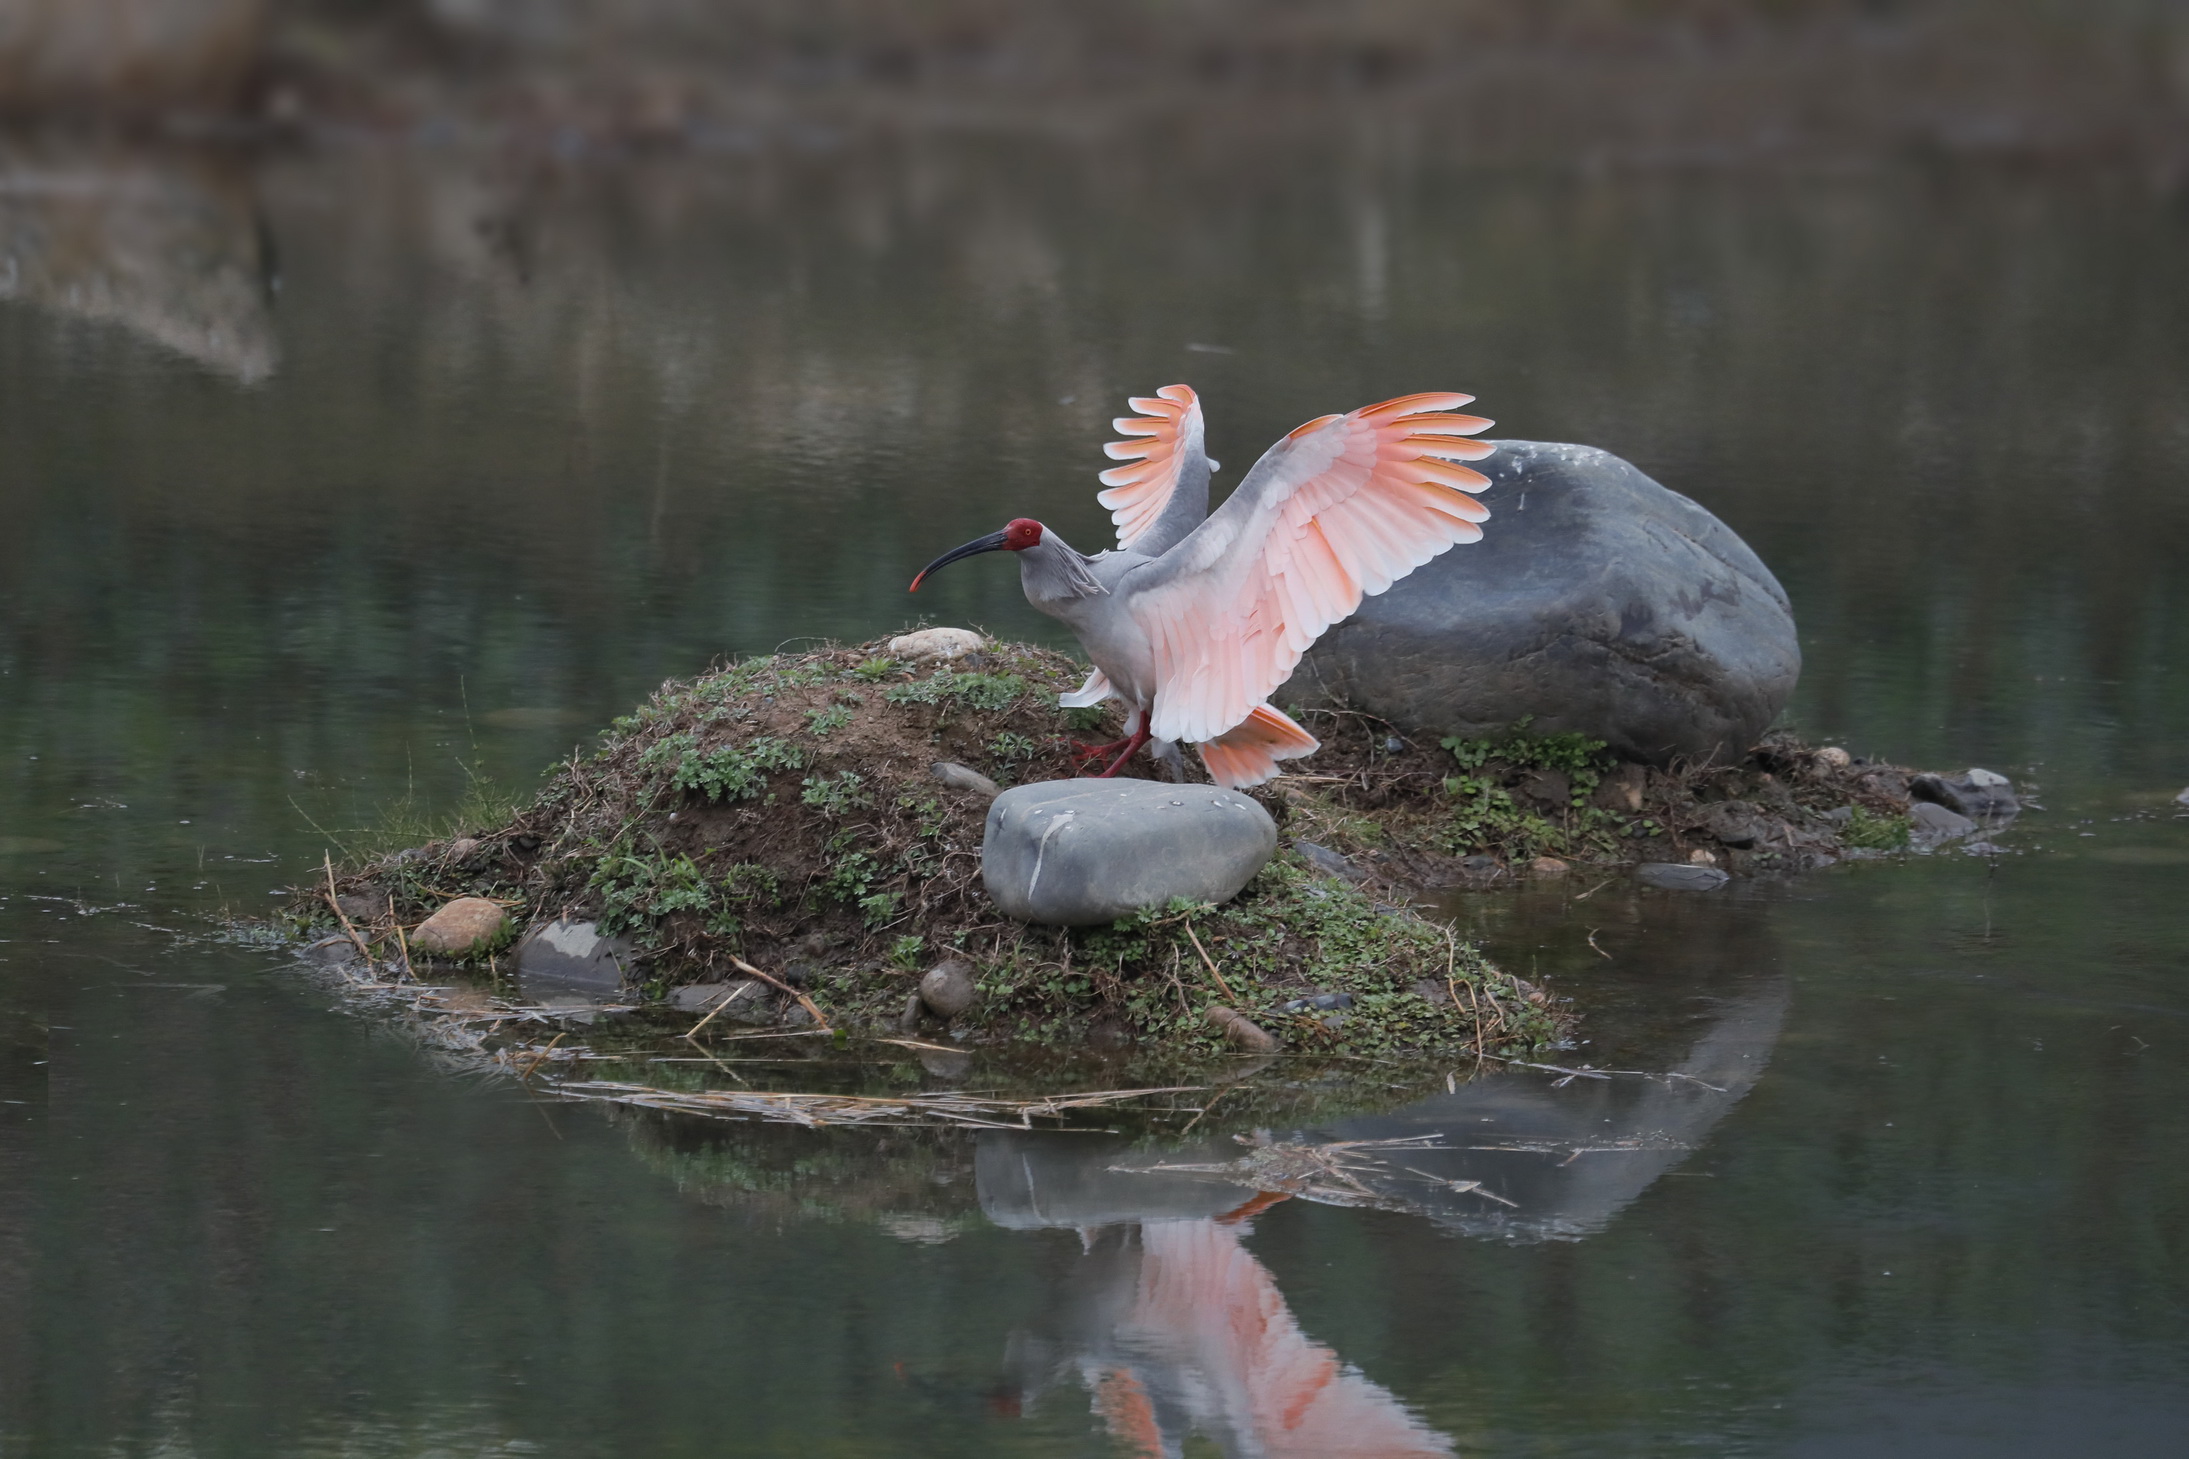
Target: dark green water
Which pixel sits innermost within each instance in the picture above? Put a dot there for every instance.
(324, 479)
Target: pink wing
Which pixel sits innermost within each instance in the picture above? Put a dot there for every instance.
(1247, 753)
(1339, 510)
(1163, 448)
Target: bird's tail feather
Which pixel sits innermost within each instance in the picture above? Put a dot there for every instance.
(1248, 752)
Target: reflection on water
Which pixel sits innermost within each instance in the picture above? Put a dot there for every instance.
(518, 442)
(1175, 1328)
(168, 246)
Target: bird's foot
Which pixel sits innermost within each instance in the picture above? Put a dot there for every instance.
(1131, 744)
(1084, 753)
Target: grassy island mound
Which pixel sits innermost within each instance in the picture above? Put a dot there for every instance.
(783, 813)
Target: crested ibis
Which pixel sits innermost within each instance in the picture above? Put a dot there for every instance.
(1196, 617)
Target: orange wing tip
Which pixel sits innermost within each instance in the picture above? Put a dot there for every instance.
(1452, 448)
(1183, 394)
(1311, 427)
(1406, 405)
(1247, 754)
(1444, 423)
(1165, 411)
(1443, 473)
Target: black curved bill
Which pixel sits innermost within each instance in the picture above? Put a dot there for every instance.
(993, 542)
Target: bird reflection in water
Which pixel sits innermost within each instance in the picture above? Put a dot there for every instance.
(1202, 1342)
(1175, 1329)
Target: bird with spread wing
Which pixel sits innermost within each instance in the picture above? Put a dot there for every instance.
(1197, 617)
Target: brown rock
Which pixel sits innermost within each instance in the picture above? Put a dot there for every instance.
(1620, 789)
(465, 926)
(1547, 866)
(1832, 757)
(1242, 1032)
(948, 989)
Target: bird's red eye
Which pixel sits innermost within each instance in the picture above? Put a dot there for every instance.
(1023, 533)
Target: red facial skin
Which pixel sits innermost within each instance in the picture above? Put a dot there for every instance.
(1022, 533)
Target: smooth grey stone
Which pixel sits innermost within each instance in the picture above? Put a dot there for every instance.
(746, 1000)
(1931, 824)
(573, 957)
(1733, 823)
(1075, 853)
(1327, 861)
(2183, 798)
(332, 952)
(706, 997)
(1980, 793)
(1597, 601)
(1681, 876)
(948, 988)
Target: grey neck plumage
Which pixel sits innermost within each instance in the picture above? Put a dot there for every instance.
(1055, 575)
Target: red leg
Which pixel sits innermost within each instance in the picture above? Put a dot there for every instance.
(1084, 753)
(1139, 737)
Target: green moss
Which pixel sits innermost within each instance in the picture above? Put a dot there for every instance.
(1292, 933)
(1875, 832)
(1488, 816)
(826, 720)
(638, 891)
(836, 795)
(1088, 719)
(730, 773)
(992, 692)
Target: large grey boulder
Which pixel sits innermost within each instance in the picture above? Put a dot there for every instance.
(1075, 853)
(1597, 601)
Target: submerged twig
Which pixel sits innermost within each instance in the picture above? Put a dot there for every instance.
(774, 982)
(814, 1110)
(341, 916)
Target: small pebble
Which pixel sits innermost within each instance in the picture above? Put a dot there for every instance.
(964, 777)
(1242, 1032)
(935, 643)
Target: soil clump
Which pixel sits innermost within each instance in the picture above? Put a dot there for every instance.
(779, 820)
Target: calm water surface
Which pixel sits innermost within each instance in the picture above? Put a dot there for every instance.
(331, 482)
